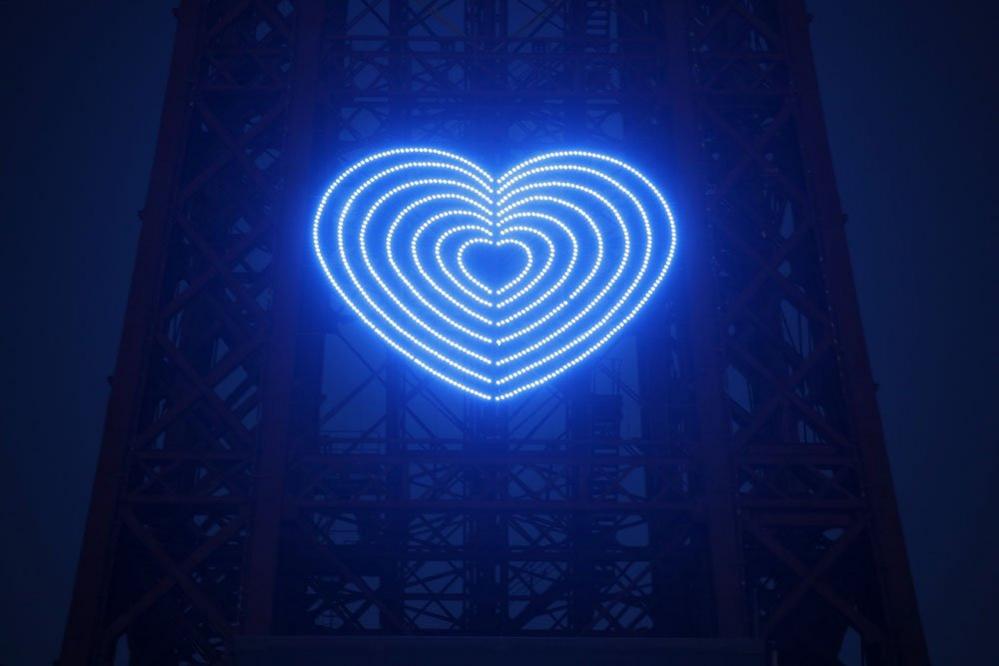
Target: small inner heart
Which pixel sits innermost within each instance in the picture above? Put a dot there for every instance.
(494, 266)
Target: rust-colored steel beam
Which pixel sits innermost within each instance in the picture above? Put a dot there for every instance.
(718, 474)
(279, 379)
(84, 629)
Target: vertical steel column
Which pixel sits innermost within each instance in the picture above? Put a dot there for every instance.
(84, 628)
(898, 590)
(291, 257)
(395, 525)
(713, 440)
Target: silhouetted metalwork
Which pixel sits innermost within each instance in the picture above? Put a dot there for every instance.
(269, 469)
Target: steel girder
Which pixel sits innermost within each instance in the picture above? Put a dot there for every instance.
(268, 469)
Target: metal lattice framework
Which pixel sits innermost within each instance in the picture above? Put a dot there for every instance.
(268, 469)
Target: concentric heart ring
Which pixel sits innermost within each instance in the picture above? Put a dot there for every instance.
(394, 231)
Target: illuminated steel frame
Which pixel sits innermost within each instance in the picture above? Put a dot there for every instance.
(267, 469)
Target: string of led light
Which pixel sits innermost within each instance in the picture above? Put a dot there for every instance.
(598, 260)
(378, 330)
(597, 263)
(549, 260)
(388, 319)
(493, 243)
(390, 254)
(649, 291)
(577, 330)
(621, 300)
(592, 303)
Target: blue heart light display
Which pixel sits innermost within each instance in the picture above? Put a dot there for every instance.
(395, 234)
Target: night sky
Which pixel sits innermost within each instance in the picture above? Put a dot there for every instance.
(910, 93)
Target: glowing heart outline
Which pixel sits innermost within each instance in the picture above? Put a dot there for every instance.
(444, 336)
(469, 274)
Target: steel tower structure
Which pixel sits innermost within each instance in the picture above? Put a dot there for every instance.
(268, 469)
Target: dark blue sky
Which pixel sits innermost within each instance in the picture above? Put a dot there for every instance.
(910, 92)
